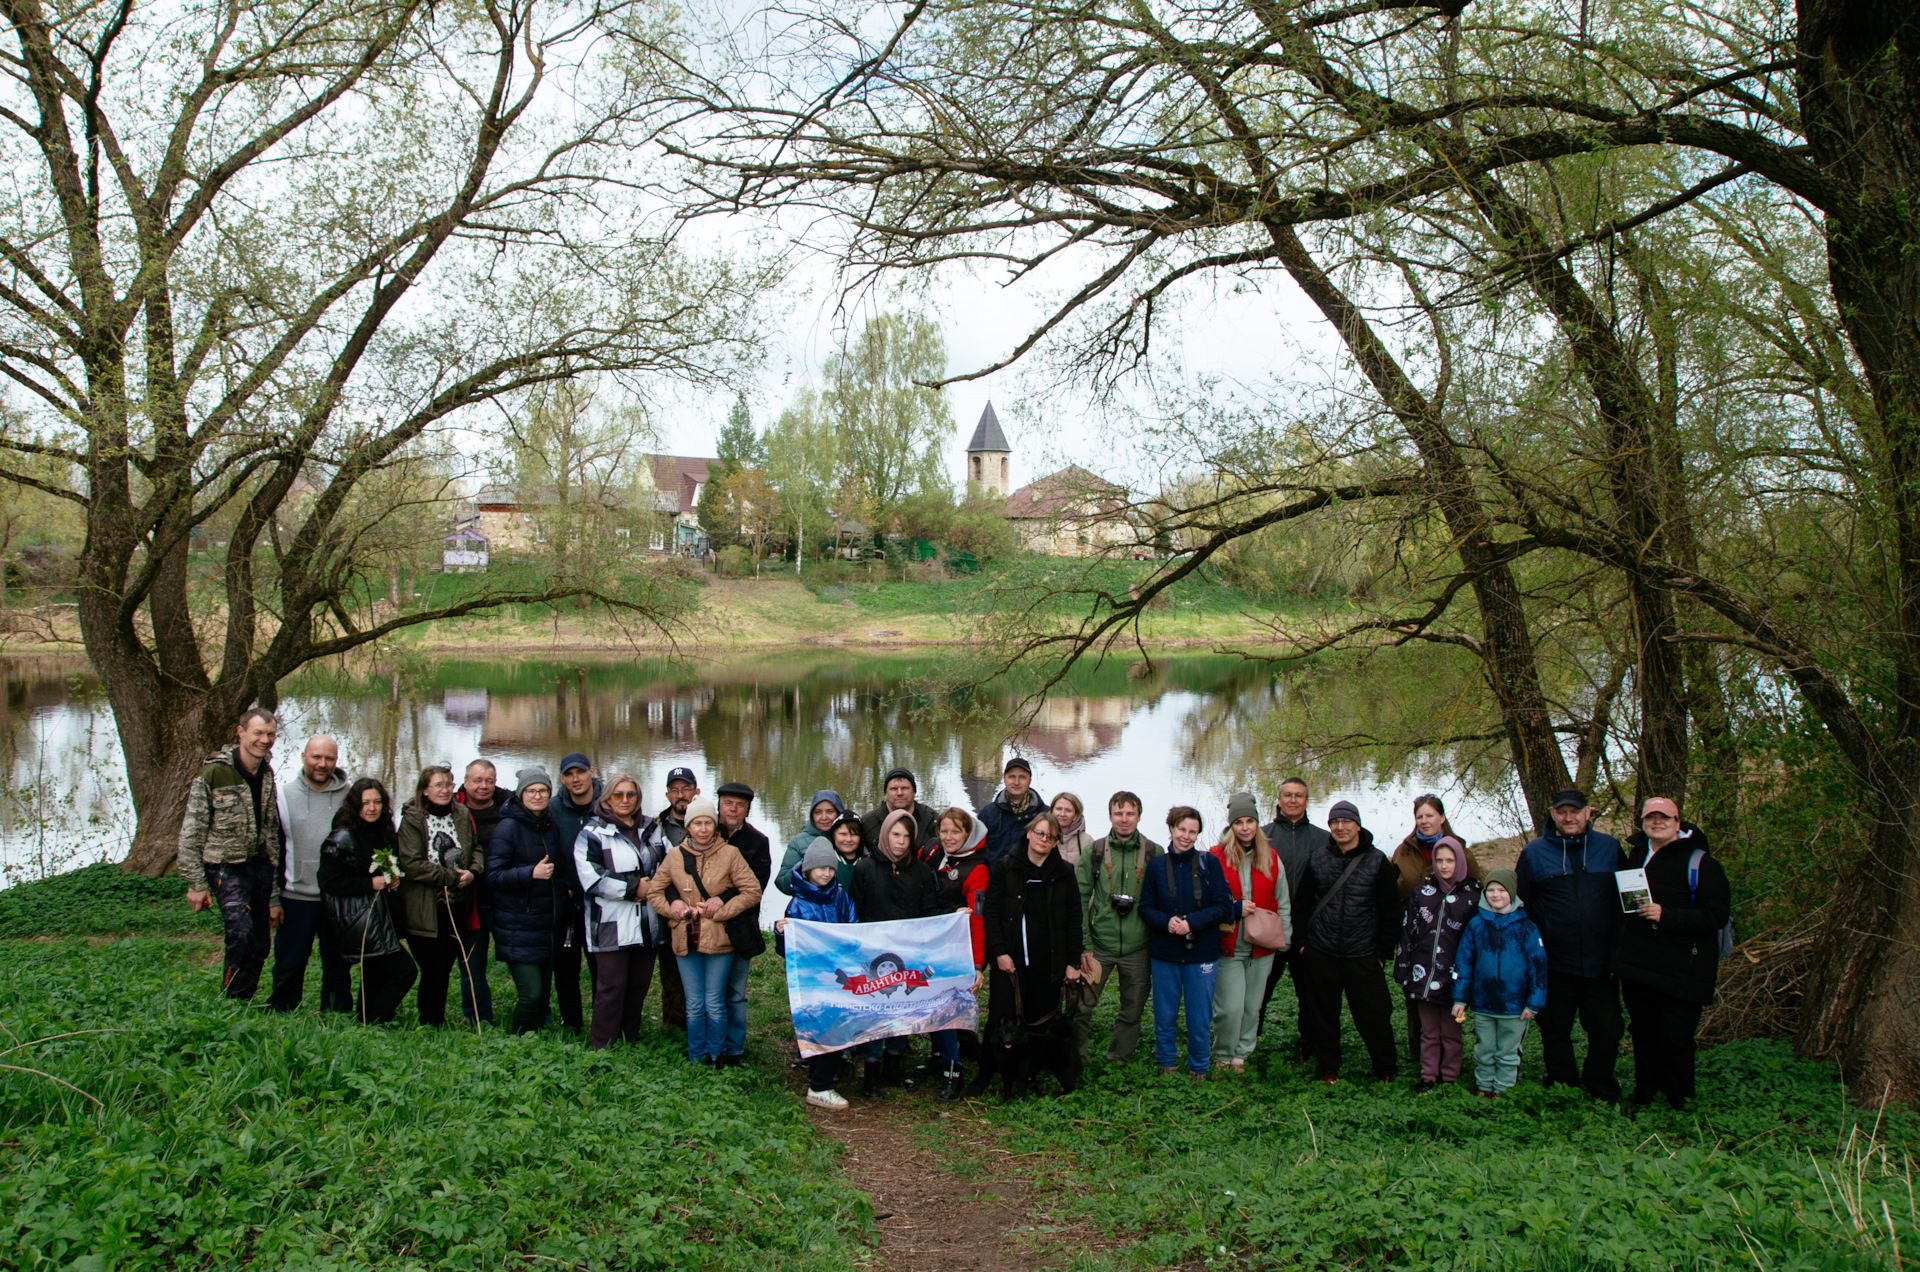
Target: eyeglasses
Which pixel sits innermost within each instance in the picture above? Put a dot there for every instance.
(1045, 836)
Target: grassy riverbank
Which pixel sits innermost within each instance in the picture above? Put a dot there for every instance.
(227, 1135)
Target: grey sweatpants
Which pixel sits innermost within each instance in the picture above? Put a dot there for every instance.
(1496, 1050)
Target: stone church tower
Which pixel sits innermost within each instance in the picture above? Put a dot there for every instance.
(989, 458)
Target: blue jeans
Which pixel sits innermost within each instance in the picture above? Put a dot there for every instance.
(946, 1046)
(473, 969)
(737, 1006)
(1173, 982)
(301, 924)
(705, 978)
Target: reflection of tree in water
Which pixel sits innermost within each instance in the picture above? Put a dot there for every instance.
(1415, 716)
(791, 727)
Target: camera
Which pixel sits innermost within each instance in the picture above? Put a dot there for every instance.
(1121, 903)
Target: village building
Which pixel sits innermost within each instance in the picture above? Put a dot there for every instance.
(989, 458)
(680, 480)
(659, 515)
(1072, 512)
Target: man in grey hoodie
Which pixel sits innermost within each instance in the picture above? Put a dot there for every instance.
(307, 805)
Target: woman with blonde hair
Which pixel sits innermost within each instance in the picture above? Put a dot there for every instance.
(1072, 816)
(1255, 879)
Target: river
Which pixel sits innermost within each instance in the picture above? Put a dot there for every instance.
(1193, 731)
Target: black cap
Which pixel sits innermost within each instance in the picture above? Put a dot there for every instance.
(1017, 762)
(574, 760)
(682, 775)
(900, 772)
(1569, 797)
(738, 789)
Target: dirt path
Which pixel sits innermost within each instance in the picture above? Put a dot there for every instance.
(947, 1197)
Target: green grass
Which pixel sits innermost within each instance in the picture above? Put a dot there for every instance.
(1274, 1170)
(1200, 593)
(101, 900)
(231, 1136)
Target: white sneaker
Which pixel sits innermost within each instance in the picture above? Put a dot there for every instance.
(828, 1099)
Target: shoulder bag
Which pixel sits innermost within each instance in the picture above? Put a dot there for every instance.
(1265, 928)
(743, 929)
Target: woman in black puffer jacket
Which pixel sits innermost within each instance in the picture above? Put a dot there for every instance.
(1667, 955)
(521, 863)
(359, 899)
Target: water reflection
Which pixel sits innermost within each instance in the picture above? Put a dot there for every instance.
(788, 725)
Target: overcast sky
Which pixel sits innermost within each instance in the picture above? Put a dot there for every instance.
(1251, 339)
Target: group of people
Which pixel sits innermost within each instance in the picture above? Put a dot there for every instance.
(551, 873)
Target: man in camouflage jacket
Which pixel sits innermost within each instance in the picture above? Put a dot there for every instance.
(230, 846)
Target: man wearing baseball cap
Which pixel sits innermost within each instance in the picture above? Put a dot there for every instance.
(901, 791)
(1566, 884)
(1007, 814)
(572, 805)
(668, 829)
(1668, 955)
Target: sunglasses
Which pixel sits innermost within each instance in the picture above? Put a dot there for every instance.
(624, 795)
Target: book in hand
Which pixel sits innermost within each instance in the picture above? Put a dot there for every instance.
(1634, 892)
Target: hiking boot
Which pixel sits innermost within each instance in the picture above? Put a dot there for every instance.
(1168, 1070)
(950, 1086)
(827, 1099)
(890, 1070)
(870, 1080)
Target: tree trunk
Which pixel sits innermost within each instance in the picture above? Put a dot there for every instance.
(1506, 646)
(1859, 85)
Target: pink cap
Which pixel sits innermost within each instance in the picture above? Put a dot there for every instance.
(1661, 804)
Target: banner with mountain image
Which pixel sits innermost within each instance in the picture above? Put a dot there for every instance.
(850, 983)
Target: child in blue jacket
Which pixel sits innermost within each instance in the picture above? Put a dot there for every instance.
(1502, 975)
(818, 898)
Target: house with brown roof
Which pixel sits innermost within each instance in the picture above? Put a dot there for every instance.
(680, 481)
(1072, 512)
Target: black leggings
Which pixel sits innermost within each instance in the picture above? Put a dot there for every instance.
(384, 982)
(437, 956)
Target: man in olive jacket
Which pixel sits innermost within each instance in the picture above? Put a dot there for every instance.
(1114, 937)
(230, 847)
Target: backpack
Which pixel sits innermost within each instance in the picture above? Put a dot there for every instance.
(1693, 892)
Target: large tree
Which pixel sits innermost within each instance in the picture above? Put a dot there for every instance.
(256, 255)
(1426, 158)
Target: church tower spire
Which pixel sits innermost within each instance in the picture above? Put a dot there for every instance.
(989, 458)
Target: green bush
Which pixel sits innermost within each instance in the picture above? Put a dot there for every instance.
(735, 561)
(102, 900)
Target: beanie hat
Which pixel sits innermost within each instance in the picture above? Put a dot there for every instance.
(1344, 808)
(1506, 879)
(702, 807)
(900, 772)
(820, 854)
(1242, 805)
(534, 776)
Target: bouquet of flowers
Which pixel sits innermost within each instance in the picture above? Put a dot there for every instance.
(384, 864)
